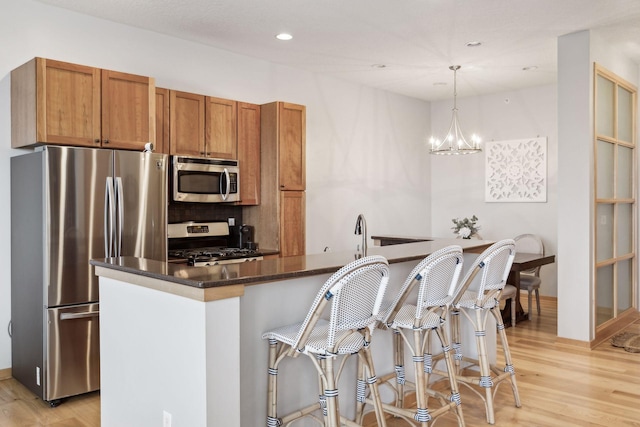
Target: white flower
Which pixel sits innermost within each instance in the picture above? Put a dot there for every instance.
(464, 232)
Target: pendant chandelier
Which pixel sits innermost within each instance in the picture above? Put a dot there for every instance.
(454, 142)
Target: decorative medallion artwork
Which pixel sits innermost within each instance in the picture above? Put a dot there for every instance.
(516, 171)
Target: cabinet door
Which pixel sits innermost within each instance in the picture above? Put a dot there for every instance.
(292, 135)
(67, 103)
(220, 131)
(128, 110)
(186, 123)
(249, 153)
(162, 121)
(292, 223)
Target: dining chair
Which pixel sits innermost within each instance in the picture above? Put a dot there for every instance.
(340, 322)
(530, 279)
(509, 295)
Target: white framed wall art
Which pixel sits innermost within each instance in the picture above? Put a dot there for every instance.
(516, 170)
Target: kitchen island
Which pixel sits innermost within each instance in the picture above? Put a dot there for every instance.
(185, 342)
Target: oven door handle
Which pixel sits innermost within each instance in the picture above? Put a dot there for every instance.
(226, 192)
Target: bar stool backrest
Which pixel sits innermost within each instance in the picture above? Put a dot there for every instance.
(488, 275)
(355, 293)
(437, 275)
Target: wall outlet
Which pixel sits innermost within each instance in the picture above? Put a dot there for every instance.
(232, 222)
(37, 375)
(166, 419)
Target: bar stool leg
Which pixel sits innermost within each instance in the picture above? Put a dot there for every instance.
(398, 354)
(454, 328)
(372, 381)
(453, 382)
(272, 385)
(483, 362)
(507, 356)
(330, 392)
(422, 412)
(360, 390)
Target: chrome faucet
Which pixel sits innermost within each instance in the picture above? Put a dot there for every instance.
(361, 229)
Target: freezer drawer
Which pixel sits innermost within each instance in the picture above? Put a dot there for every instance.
(73, 351)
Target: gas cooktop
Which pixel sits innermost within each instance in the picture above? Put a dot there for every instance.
(201, 244)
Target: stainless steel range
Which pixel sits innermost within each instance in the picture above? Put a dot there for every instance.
(201, 244)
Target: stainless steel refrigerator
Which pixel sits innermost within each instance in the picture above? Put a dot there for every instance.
(69, 205)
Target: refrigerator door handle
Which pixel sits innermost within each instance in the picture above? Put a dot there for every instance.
(109, 206)
(226, 192)
(120, 219)
(84, 315)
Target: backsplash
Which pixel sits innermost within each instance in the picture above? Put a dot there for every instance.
(182, 212)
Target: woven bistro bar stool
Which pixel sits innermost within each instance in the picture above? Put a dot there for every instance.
(420, 308)
(485, 280)
(339, 323)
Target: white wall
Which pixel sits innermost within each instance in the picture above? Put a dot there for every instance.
(458, 185)
(364, 146)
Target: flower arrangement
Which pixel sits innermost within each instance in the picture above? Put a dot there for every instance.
(465, 227)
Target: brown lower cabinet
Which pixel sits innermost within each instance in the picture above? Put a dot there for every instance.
(292, 223)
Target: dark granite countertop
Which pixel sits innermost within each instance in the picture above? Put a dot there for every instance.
(250, 273)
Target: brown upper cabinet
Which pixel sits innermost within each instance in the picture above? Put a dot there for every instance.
(186, 118)
(221, 137)
(162, 121)
(249, 153)
(54, 102)
(202, 126)
(291, 131)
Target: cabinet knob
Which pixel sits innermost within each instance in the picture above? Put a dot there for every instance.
(97, 140)
(106, 141)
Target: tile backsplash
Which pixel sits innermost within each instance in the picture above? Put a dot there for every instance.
(182, 212)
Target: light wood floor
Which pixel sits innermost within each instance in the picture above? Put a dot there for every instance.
(559, 385)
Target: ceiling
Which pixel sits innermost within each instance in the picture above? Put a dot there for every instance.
(402, 46)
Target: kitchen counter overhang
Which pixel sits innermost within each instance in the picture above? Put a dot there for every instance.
(225, 281)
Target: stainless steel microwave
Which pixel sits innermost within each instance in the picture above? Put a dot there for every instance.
(205, 180)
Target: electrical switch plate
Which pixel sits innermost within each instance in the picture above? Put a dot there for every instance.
(232, 222)
(166, 419)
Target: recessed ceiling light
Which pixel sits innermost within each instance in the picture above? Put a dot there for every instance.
(284, 36)
(530, 68)
(473, 44)
(378, 66)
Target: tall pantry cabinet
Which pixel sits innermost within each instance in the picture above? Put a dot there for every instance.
(280, 218)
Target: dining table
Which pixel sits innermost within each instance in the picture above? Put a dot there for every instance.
(523, 261)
